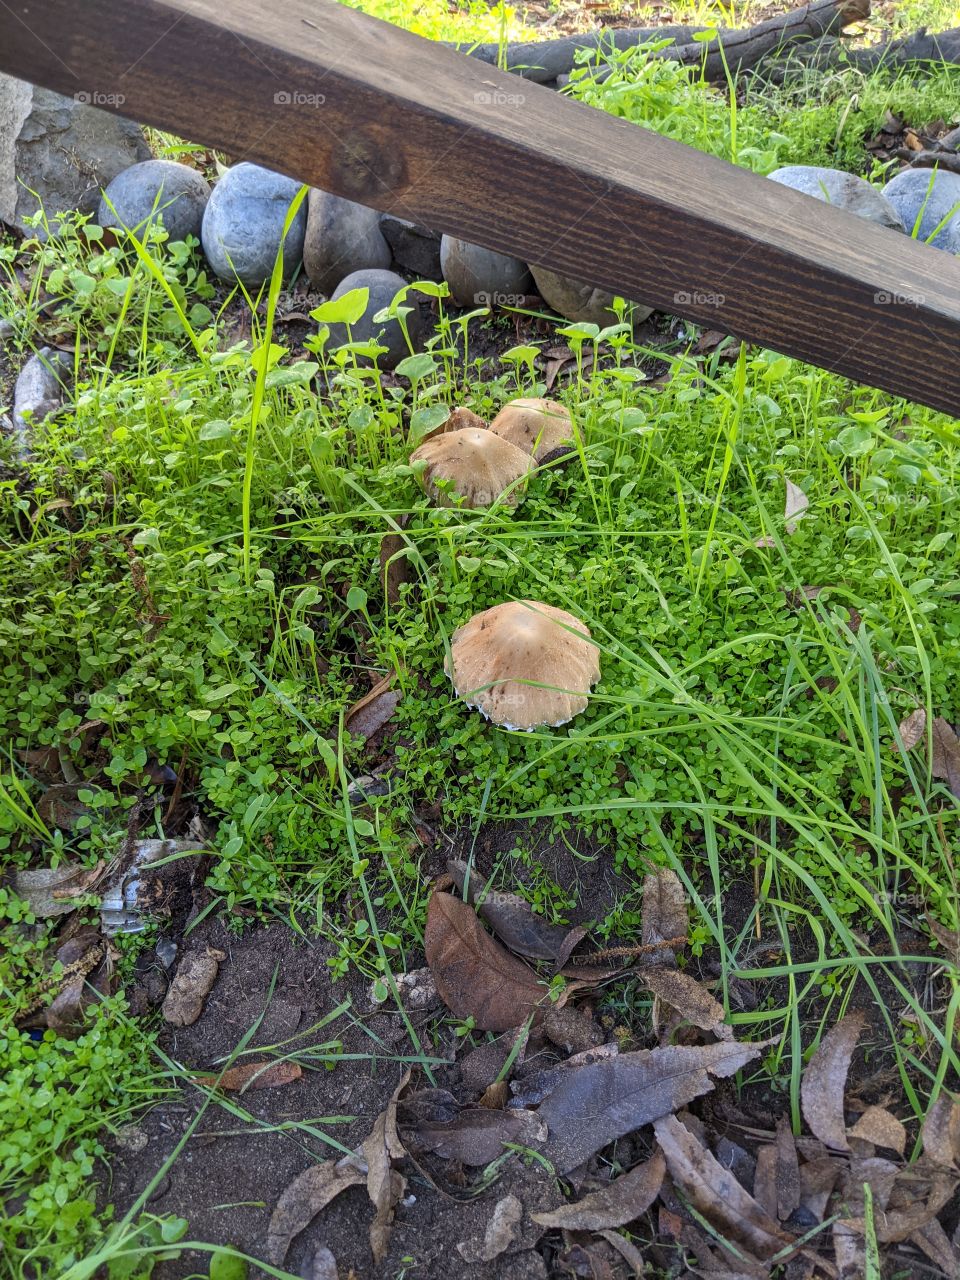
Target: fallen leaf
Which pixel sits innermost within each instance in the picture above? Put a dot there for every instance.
(715, 1192)
(374, 710)
(535, 1085)
(795, 505)
(912, 729)
(949, 939)
(476, 976)
(477, 1134)
(607, 1099)
(196, 974)
(499, 1234)
(495, 1096)
(788, 1171)
(60, 806)
(690, 998)
(628, 1251)
(917, 1197)
(303, 1199)
(824, 1081)
(945, 760)
(940, 1133)
(385, 1186)
(935, 1243)
(615, 1205)
(510, 917)
(879, 1126)
(395, 567)
(664, 913)
(765, 1180)
(52, 891)
(254, 1075)
(796, 598)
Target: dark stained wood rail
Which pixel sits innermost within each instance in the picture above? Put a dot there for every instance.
(349, 103)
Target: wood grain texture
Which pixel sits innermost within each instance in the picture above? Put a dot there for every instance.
(356, 106)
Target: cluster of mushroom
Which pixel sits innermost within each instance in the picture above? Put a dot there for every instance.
(473, 465)
(523, 664)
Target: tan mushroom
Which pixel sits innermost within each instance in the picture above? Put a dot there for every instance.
(539, 427)
(524, 664)
(479, 466)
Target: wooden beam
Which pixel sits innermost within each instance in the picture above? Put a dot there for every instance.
(354, 105)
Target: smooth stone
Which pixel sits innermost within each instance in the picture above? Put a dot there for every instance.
(39, 392)
(845, 190)
(414, 248)
(911, 190)
(243, 224)
(578, 302)
(383, 287)
(63, 149)
(155, 190)
(480, 277)
(341, 237)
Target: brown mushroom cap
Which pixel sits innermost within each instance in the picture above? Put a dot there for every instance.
(480, 466)
(538, 427)
(502, 655)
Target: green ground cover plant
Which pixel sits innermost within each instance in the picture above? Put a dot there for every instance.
(194, 566)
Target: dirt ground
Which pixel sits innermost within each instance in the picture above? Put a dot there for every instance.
(228, 1179)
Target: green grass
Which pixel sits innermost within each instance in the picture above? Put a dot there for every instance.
(194, 567)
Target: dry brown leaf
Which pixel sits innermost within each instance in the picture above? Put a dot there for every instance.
(765, 1180)
(715, 1192)
(303, 1199)
(788, 1171)
(912, 729)
(688, 996)
(477, 1134)
(615, 1205)
(511, 918)
(395, 567)
(945, 760)
(374, 710)
(628, 1251)
(385, 1186)
(916, 1199)
(499, 1234)
(60, 806)
(949, 939)
(534, 1086)
(935, 1243)
(664, 913)
(196, 974)
(824, 1081)
(53, 891)
(940, 1133)
(879, 1126)
(254, 1075)
(476, 976)
(818, 1177)
(607, 1099)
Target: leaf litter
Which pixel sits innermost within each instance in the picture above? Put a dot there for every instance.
(804, 1206)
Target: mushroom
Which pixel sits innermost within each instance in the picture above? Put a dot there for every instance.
(479, 466)
(539, 427)
(524, 664)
